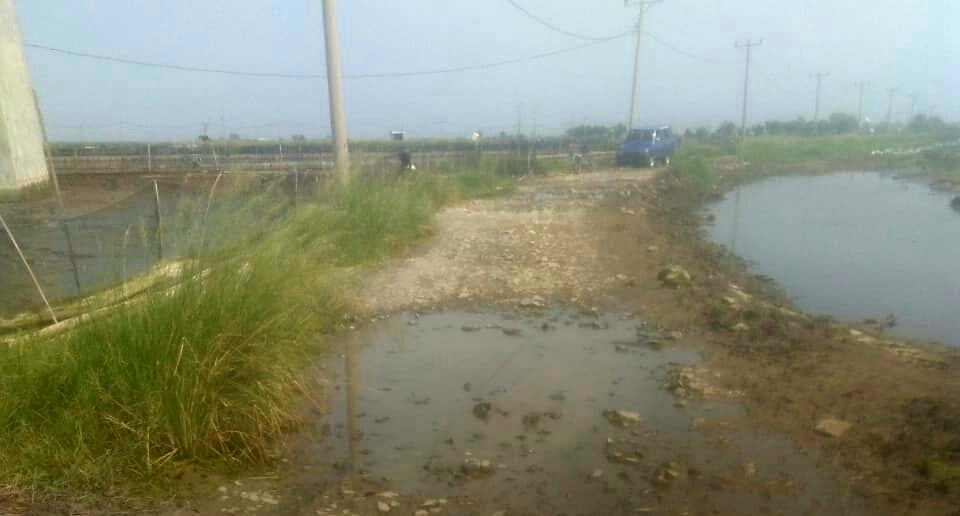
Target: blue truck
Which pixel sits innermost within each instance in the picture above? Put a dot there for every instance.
(646, 147)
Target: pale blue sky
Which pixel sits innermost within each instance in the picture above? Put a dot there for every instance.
(890, 43)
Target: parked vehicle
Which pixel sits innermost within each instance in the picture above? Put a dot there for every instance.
(647, 146)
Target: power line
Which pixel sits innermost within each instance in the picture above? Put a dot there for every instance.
(572, 34)
(484, 66)
(679, 50)
(563, 31)
(373, 75)
(170, 66)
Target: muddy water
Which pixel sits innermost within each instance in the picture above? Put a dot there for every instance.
(853, 245)
(421, 396)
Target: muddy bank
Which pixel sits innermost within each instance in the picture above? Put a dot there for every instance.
(902, 398)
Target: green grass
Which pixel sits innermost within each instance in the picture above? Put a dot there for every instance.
(694, 170)
(210, 373)
(852, 147)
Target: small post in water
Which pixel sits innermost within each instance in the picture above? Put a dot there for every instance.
(29, 270)
(296, 185)
(156, 193)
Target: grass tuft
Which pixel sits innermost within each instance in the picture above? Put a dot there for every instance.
(209, 372)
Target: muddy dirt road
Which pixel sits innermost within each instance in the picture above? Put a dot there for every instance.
(534, 358)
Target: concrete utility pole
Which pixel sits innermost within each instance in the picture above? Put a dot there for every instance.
(861, 85)
(643, 5)
(338, 124)
(22, 160)
(913, 104)
(748, 45)
(891, 92)
(816, 110)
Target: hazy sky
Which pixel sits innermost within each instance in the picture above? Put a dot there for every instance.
(890, 43)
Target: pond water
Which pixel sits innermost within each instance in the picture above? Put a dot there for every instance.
(854, 246)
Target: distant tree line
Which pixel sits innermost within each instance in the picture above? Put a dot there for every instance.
(837, 123)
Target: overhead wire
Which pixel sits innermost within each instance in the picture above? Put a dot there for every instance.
(370, 75)
(561, 30)
(661, 41)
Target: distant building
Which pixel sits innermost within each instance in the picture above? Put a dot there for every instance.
(22, 161)
(397, 136)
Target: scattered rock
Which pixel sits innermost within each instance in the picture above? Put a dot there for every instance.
(467, 386)
(620, 348)
(512, 332)
(482, 410)
(622, 418)
(469, 328)
(476, 468)
(856, 333)
(833, 427)
(597, 473)
(740, 327)
(383, 507)
(666, 473)
(675, 335)
(429, 503)
(499, 513)
(674, 276)
(421, 512)
(652, 249)
(558, 396)
(532, 302)
(387, 494)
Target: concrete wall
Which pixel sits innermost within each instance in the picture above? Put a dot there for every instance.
(21, 140)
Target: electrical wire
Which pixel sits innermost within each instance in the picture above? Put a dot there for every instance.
(373, 75)
(660, 41)
(565, 32)
(572, 34)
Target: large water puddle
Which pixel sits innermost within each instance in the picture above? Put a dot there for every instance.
(853, 245)
(514, 412)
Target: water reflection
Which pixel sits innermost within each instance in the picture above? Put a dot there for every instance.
(853, 245)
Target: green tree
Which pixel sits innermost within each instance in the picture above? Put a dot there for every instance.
(726, 133)
(841, 123)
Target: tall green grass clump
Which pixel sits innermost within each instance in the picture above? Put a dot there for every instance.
(208, 369)
(693, 170)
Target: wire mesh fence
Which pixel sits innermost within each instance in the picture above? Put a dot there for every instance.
(120, 226)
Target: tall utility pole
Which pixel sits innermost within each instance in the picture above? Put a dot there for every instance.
(913, 104)
(861, 85)
(891, 92)
(748, 45)
(338, 124)
(816, 110)
(643, 5)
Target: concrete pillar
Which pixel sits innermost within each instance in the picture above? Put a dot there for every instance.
(22, 162)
